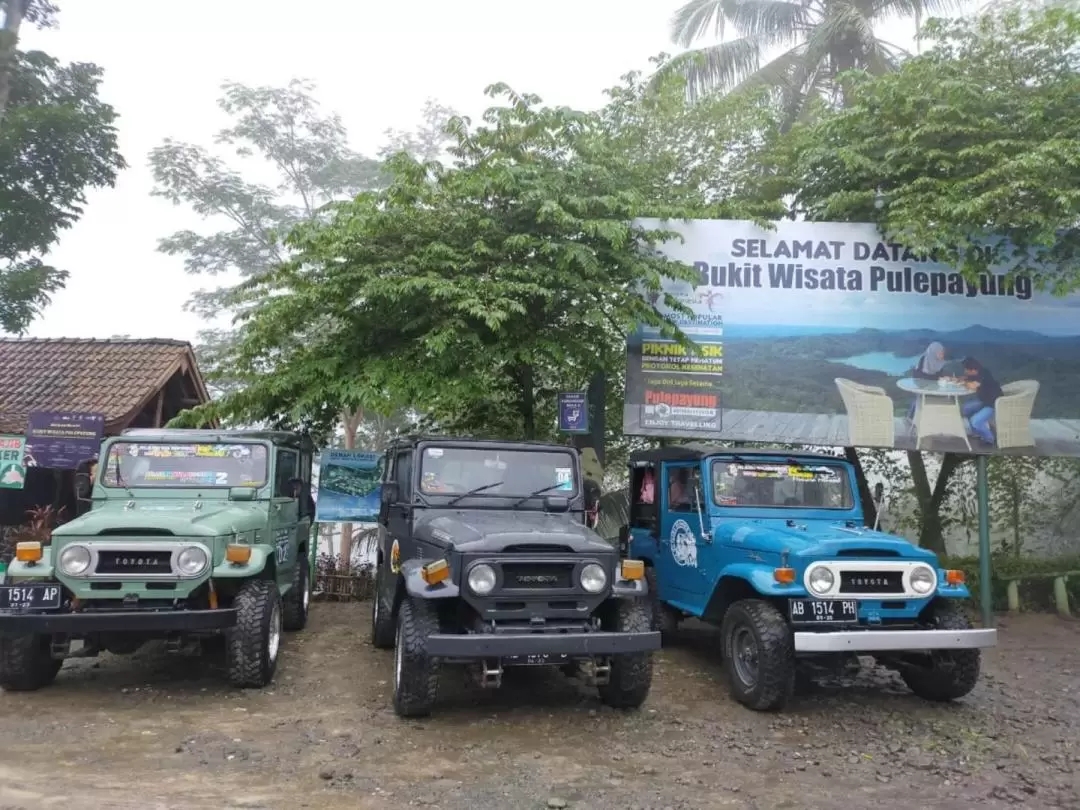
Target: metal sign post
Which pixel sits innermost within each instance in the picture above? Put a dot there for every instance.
(986, 593)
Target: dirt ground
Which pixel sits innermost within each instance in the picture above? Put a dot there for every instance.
(151, 731)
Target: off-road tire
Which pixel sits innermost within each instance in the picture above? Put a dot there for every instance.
(26, 663)
(294, 607)
(772, 643)
(416, 674)
(250, 657)
(664, 618)
(383, 627)
(631, 673)
(953, 673)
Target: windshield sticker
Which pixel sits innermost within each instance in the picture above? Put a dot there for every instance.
(435, 452)
(683, 544)
(727, 500)
(564, 477)
(199, 477)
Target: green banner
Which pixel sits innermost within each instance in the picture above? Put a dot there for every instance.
(12, 467)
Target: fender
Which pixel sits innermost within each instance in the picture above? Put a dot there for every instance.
(42, 569)
(760, 578)
(253, 567)
(416, 588)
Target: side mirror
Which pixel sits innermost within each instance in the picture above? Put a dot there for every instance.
(83, 486)
(241, 493)
(389, 494)
(879, 492)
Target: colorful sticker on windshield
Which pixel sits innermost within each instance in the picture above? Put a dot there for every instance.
(751, 471)
(564, 477)
(208, 477)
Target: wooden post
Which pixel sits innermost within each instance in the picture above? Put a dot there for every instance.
(160, 408)
(1061, 596)
(1013, 592)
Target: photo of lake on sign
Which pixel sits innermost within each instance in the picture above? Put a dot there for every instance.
(831, 336)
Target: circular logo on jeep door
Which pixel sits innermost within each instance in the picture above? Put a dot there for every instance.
(683, 544)
(395, 558)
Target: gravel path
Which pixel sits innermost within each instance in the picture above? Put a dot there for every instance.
(156, 732)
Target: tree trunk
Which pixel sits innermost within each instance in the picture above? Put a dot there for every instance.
(1014, 486)
(9, 41)
(351, 422)
(527, 401)
(931, 536)
(866, 497)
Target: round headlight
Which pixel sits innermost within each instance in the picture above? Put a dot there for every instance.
(481, 579)
(191, 561)
(922, 579)
(593, 578)
(74, 560)
(821, 579)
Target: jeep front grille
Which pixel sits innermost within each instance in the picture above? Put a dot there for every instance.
(133, 562)
(537, 575)
(872, 582)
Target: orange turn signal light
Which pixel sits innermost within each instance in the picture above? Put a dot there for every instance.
(785, 576)
(954, 577)
(436, 572)
(239, 555)
(28, 552)
(633, 569)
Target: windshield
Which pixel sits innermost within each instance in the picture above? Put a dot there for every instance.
(781, 484)
(456, 470)
(200, 465)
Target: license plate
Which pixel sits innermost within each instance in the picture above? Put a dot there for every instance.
(29, 597)
(823, 611)
(540, 660)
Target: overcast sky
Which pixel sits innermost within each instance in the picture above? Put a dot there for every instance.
(374, 63)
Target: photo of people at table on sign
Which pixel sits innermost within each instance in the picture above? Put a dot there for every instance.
(970, 379)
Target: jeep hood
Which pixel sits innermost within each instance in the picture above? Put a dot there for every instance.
(475, 530)
(817, 539)
(180, 518)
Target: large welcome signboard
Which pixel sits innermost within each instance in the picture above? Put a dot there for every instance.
(823, 333)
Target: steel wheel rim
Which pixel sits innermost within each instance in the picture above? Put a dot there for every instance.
(274, 641)
(744, 655)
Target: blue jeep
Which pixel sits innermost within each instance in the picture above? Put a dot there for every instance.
(772, 547)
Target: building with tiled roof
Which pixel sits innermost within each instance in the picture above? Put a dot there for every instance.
(134, 383)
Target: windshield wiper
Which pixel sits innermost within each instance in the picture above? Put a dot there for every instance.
(119, 479)
(473, 491)
(518, 503)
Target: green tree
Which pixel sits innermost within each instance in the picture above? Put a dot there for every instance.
(57, 139)
(278, 132)
(40, 13)
(478, 291)
(797, 47)
(975, 139)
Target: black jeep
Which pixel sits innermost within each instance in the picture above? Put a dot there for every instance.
(485, 559)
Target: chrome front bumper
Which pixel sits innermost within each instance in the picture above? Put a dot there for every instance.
(894, 640)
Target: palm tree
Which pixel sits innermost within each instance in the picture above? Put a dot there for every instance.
(816, 39)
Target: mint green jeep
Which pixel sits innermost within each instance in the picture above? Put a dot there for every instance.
(193, 534)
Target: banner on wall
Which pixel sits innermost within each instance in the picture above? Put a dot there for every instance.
(12, 465)
(60, 440)
(824, 334)
(349, 486)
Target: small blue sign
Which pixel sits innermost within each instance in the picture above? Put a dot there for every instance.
(573, 413)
